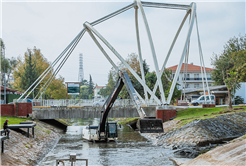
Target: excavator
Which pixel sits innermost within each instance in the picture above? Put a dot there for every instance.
(107, 131)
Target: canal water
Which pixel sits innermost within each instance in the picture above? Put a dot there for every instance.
(130, 149)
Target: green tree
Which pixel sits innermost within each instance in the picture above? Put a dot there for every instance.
(230, 65)
(84, 91)
(4, 64)
(30, 74)
(91, 85)
(109, 87)
(34, 59)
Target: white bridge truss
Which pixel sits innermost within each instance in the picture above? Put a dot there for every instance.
(137, 5)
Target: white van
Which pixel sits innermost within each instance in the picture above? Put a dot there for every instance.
(201, 100)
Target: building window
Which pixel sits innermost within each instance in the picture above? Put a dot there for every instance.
(173, 76)
(196, 76)
(186, 76)
(187, 85)
(196, 85)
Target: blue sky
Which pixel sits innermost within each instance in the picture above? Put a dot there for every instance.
(51, 26)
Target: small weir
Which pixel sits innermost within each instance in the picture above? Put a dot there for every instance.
(130, 148)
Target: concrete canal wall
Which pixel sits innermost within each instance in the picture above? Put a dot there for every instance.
(87, 112)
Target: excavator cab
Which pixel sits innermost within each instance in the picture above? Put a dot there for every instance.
(111, 129)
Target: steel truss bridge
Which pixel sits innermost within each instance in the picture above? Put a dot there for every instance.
(137, 5)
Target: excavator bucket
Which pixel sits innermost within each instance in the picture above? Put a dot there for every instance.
(150, 126)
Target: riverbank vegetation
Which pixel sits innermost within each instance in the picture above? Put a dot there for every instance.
(190, 114)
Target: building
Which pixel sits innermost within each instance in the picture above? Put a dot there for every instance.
(97, 89)
(193, 77)
(11, 94)
(220, 92)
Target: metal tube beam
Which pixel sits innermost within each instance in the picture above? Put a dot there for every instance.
(193, 12)
(202, 60)
(62, 62)
(140, 53)
(170, 49)
(106, 55)
(112, 14)
(166, 5)
(87, 25)
(102, 50)
(50, 67)
(138, 2)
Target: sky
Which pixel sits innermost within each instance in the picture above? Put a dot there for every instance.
(51, 25)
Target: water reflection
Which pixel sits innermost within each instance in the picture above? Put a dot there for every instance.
(130, 149)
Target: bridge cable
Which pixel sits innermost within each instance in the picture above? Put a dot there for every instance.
(49, 68)
(62, 62)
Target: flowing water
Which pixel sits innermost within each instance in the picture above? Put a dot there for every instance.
(130, 149)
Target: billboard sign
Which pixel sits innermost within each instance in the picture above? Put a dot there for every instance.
(73, 89)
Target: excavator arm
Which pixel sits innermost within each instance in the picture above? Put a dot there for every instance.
(145, 124)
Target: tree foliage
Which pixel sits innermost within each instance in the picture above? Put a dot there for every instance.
(31, 67)
(90, 88)
(230, 65)
(5, 65)
(109, 87)
(150, 78)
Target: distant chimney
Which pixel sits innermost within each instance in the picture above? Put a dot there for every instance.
(191, 63)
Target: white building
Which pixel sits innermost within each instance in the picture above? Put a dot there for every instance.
(193, 78)
(97, 89)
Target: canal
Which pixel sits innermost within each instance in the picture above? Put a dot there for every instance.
(130, 149)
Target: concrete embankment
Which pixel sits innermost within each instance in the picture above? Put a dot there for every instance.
(201, 135)
(21, 150)
(232, 153)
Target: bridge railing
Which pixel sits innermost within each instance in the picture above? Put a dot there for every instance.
(79, 102)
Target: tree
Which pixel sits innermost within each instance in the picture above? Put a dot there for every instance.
(90, 90)
(13, 64)
(56, 89)
(30, 74)
(5, 65)
(109, 87)
(150, 78)
(84, 90)
(230, 65)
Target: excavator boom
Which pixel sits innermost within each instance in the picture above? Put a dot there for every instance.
(145, 124)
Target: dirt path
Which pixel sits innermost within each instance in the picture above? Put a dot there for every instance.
(20, 150)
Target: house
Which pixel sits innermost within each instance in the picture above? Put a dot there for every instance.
(11, 94)
(97, 89)
(193, 77)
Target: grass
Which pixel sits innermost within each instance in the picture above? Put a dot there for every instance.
(44, 130)
(12, 120)
(190, 114)
(64, 122)
(128, 120)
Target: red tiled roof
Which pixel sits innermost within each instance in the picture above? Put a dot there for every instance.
(10, 90)
(189, 68)
(99, 87)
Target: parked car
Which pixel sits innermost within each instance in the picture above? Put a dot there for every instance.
(99, 103)
(201, 100)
